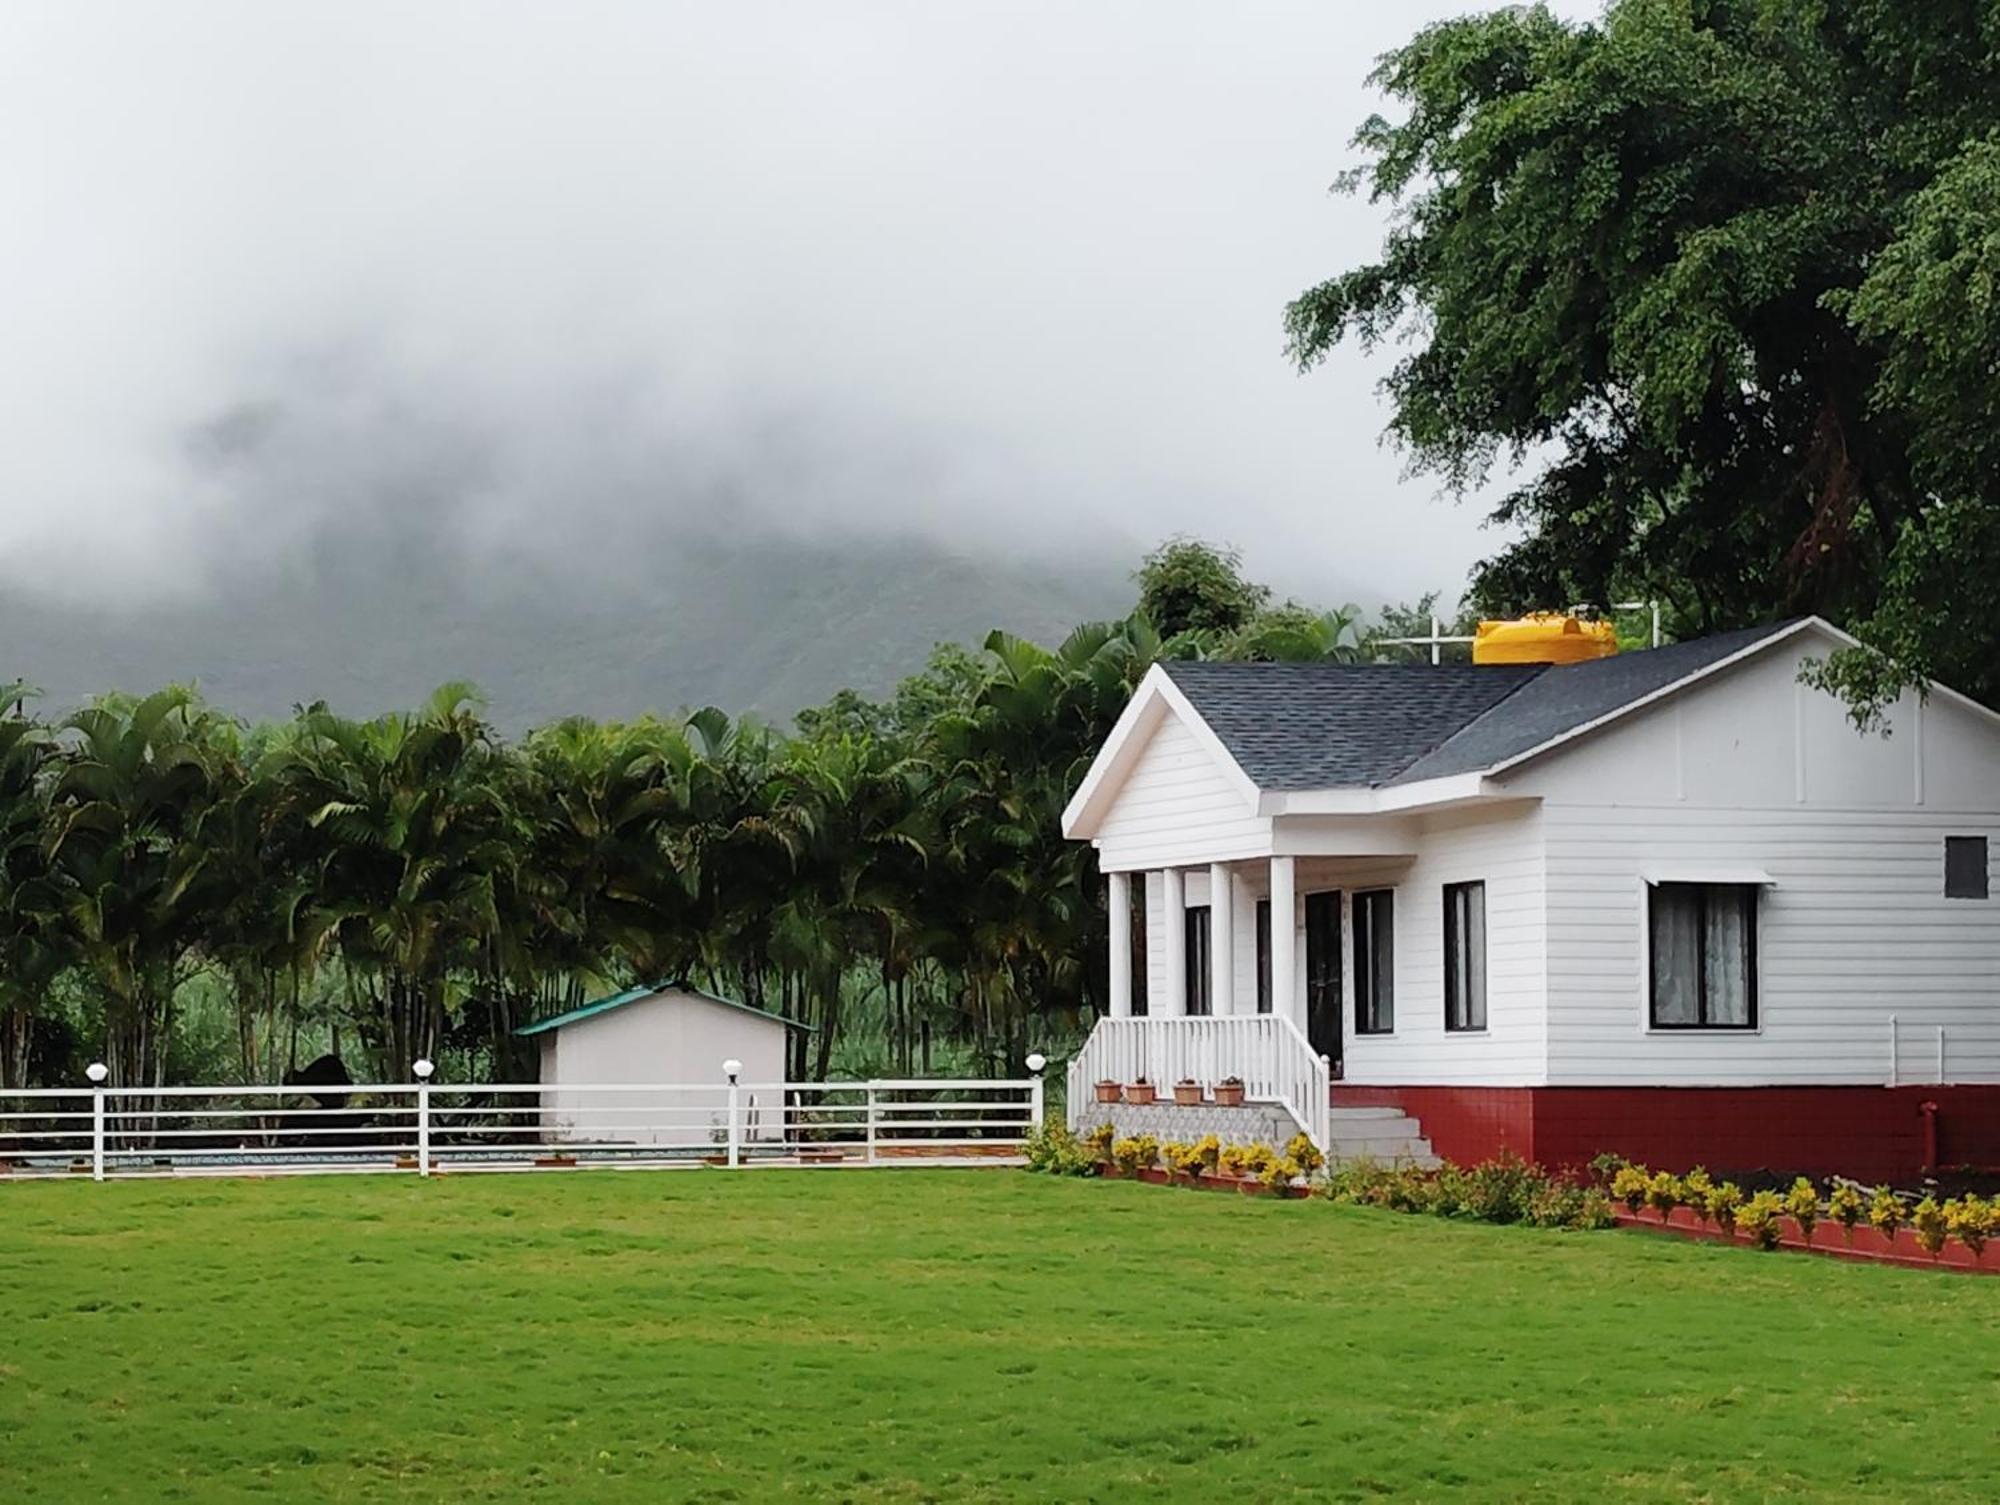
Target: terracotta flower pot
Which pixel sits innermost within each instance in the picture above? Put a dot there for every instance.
(1187, 1094)
(1229, 1095)
(1139, 1094)
(1107, 1092)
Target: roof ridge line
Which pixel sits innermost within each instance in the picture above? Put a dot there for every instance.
(1512, 690)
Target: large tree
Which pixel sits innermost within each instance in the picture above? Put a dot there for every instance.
(1723, 273)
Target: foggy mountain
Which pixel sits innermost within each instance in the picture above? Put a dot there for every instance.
(767, 624)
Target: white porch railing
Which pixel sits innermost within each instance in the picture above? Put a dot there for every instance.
(424, 1126)
(1270, 1053)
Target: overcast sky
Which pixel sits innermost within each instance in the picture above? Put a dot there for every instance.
(1010, 275)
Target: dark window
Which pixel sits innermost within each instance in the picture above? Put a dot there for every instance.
(1263, 956)
(1142, 982)
(1703, 940)
(1375, 961)
(1465, 956)
(1965, 867)
(1197, 959)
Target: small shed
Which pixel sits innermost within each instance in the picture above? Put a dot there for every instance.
(668, 1042)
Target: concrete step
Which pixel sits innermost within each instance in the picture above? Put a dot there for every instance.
(1364, 1115)
(1383, 1136)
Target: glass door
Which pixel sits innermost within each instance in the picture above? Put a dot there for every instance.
(1323, 989)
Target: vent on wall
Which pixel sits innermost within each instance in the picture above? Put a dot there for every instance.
(1965, 867)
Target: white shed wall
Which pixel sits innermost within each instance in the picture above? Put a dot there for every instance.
(1755, 772)
(675, 1039)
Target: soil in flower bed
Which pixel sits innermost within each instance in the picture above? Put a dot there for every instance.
(1828, 1237)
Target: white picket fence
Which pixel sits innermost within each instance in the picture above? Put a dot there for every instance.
(424, 1125)
(1268, 1053)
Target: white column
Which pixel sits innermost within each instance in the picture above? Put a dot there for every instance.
(1118, 906)
(1221, 939)
(1284, 938)
(1173, 945)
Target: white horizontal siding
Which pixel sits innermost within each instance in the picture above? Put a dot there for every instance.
(1853, 928)
(1177, 808)
(1504, 851)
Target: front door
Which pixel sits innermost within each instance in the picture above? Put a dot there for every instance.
(1323, 974)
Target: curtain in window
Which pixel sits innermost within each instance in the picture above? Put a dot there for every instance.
(1726, 956)
(1676, 948)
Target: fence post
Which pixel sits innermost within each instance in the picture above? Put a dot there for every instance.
(871, 1123)
(1036, 1062)
(423, 1070)
(733, 1069)
(97, 1071)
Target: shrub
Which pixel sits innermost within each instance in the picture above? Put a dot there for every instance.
(1886, 1212)
(1663, 1192)
(1759, 1217)
(1604, 1165)
(1100, 1138)
(1208, 1153)
(1499, 1190)
(1722, 1204)
(1695, 1187)
(1628, 1184)
(1970, 1220)
(1281, 1172)
(1230, 1160)
(1845, 1207)
(1135, 1153)
(1928, 1220)
(1052, 1149)
(1302, 1150)
(1802, 1202)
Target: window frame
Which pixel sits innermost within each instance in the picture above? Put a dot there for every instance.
(1362, 919)
(1451, 978)
(1752, 935)
(1961, 841)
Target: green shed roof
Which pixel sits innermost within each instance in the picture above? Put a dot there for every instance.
(650, 990)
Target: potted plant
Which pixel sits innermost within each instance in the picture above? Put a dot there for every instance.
(1139, 1093)
(1107, 1091)
(1187, 1093)
(1229, 1092)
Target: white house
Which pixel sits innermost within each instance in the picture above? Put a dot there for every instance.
(1668, 903)
(645, 1067)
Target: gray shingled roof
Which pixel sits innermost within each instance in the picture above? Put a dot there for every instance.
(1338, 726)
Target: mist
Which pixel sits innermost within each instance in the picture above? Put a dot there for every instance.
(551, 288)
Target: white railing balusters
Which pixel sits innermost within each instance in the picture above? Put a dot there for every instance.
(1271, 1054)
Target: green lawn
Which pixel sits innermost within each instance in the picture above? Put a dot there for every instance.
(909, 1335)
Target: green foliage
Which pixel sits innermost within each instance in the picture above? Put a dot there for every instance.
(1729, 267)
(1506, 1189)
(1761, 1217)
(1135, 1153)
(1188, 587)
(1055, 1150)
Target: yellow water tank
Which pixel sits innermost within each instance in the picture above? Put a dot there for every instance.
(1543, 638)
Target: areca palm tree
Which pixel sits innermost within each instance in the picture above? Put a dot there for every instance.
(34, 945)
(129, 847)
(412, 836)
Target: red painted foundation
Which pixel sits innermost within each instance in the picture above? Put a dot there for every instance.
(1869, 1133)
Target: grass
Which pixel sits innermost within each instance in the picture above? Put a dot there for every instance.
(962, 1335)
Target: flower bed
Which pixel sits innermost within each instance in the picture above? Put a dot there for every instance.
(1860, 1242)
(1848, 1224)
